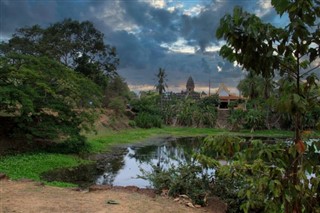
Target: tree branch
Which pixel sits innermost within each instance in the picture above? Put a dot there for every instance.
(302, 75)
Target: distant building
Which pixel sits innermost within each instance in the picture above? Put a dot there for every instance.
(190, 85)
(226, 97)
(189, 93)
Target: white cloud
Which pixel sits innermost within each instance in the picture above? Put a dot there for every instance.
(193, 11)
(180, 46)
(264, 7)
(156, 3)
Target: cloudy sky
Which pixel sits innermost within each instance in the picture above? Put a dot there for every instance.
(177, 35)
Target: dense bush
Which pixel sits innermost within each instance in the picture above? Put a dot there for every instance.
(184, 179)
(146, 120)
(197, 114)
(263, 172)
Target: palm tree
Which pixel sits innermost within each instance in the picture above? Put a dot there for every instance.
(161, 85)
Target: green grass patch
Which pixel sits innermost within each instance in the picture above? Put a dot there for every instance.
(104, 140)
(31, 166)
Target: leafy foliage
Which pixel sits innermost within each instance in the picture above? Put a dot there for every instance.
(265, 49)
(146, 120)
(184, 179)
(45, 100)
(264, 172)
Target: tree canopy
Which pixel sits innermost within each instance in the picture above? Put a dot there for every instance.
(45, 100)
(78, 45)
(53, 79)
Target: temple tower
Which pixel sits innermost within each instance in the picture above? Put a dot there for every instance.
(190, 85)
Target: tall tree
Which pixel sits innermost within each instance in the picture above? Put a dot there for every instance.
(291, 51)
(79, 45)
(44, 100)
(161, 84)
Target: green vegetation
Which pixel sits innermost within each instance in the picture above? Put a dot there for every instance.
(185, 179)
(261, 173)
(31, 166)
(54, 81)
(172, 111)
(289, 52)
(105, 139)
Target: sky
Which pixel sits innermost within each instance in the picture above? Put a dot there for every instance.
(177, 35)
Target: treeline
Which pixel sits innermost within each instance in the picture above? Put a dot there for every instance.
(53, 80)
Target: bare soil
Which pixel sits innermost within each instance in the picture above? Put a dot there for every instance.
(33, 197)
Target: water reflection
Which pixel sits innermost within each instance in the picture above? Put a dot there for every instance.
(123, 165)
(163, 154)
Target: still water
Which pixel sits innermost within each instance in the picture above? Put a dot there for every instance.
(123, 165)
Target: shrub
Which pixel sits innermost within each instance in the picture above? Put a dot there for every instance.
(132, 124)
(264, 172)
(187, 178)
(146, 120)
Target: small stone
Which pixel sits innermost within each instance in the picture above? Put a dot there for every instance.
(197, 206)
(190, 205)
(176, 199)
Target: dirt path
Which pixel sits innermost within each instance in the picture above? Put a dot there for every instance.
(17, 196)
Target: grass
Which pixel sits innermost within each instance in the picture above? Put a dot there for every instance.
(104, 140)
(31, 166)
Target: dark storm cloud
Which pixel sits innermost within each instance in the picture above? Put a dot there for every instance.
(138, 31)
(136, 52)
(156, 24)
(17, 14)
(202, 27)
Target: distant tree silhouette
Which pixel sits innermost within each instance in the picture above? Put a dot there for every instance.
(161, 85)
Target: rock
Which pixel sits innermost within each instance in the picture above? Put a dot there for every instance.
(189, 204)
(112, 202)
(197, 206)
(3, 176)
(176, 199)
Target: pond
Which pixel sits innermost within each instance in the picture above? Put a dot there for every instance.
(123, 165)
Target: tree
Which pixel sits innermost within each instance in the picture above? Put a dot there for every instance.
(291, 51)
(78, 45)
(161, 85)
(117, 88)
(45, 101)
